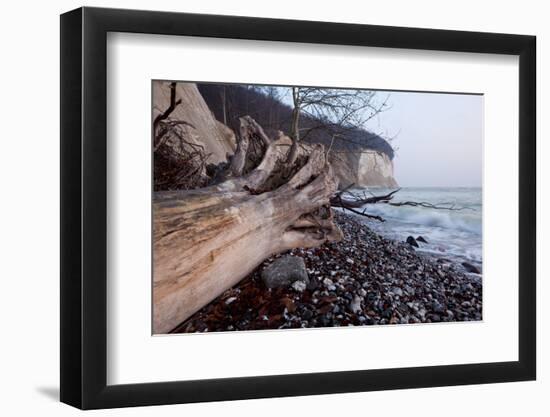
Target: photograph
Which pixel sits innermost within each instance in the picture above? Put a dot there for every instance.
(298, 207)
(255, 206)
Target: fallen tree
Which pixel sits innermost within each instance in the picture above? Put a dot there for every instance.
(208, 239)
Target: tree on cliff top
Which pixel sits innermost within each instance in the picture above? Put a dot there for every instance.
(336, 111)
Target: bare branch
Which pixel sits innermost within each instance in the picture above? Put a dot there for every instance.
(445, 206)
(173, 104)
(364, 214)
(356, 201)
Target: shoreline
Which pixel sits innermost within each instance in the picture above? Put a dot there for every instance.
(365, 279)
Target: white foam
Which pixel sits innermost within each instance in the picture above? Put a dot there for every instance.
(453, 234)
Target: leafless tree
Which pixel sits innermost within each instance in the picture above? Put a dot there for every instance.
(336, 110)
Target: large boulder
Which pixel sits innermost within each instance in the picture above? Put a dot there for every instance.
(284, 271)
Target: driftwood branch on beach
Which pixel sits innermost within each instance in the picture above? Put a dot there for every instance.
(441, 206)
(356, 202)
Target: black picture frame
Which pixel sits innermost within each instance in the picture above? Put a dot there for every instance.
(84, 207)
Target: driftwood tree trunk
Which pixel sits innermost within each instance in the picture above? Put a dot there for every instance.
(207, 240)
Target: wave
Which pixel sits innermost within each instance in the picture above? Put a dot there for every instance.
(456, 220)
(455, 235)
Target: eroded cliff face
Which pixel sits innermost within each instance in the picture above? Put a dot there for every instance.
(366, 168)
(375, 169)
(218, 140)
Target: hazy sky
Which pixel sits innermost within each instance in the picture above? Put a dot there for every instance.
(439, 138)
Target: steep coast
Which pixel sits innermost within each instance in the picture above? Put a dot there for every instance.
(353, 164)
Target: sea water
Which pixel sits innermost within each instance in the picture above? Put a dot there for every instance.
(452, 234)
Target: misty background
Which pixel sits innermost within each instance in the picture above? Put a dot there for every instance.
(438, 138)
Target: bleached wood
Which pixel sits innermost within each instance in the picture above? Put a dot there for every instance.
(207, 240)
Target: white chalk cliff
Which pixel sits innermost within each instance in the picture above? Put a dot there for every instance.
(366, 168)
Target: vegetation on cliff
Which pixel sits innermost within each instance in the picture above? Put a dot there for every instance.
(228, 102)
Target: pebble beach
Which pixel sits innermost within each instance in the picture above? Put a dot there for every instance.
(365, 279)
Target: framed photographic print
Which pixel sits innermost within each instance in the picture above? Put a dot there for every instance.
(255, 208)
